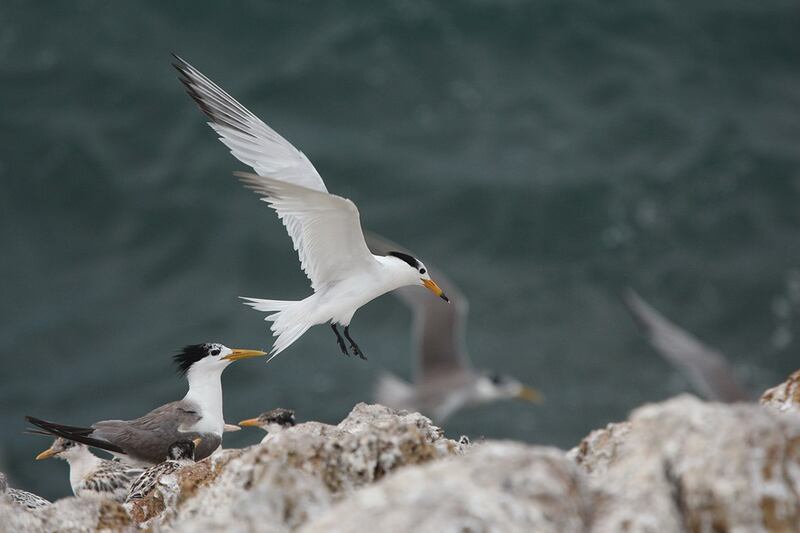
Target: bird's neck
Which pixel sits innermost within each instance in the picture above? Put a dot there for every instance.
(205, 390)
(81, 464)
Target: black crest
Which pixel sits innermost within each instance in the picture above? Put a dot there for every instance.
(189, 356)
(412, 262)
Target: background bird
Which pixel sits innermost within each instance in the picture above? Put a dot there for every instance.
(180, 453)
(325, 229)
(89, 475)
(444, 378)
(707, 369)
(146, 440)
(24, 498)
(272, 421)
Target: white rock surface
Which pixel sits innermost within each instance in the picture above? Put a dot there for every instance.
(496, 486)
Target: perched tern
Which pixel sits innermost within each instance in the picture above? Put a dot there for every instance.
(444, 379)
(20, 497)
(146, 440)
(273, 421)
(89, 475)
(180, 453)
(325, 229)
(706, 368)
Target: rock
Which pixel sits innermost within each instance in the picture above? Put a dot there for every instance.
(686, 465)
(300, 472)
(73, 515)
(784, 398)
(496, 486)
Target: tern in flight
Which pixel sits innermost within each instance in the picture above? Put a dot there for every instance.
(325, 229)
(146, 440)
(444, 379)
(706, 368)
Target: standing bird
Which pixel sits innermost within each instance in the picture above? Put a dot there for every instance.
(89, 475)
(325, 229)
(146, 440)
(706, 368)
(444, 379)
(180, 453)
(273, 421)
(20, 497)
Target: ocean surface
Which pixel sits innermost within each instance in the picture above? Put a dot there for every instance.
(545, 155)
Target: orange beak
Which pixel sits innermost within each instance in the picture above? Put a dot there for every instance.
(243, 354)
(250, 422)
(46, 454)
(434, 288)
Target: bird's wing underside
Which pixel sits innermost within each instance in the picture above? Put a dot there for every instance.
(708, 370)
(439, 328)
(325, 229)
(250, 140)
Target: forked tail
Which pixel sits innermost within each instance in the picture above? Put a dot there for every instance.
(289, 320)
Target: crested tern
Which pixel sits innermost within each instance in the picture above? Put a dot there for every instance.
(179, 454)
(325, 229)
(146, 440)
(20, 497)
(272, 421)
(89, 475)
(444, 378)
(707, 369)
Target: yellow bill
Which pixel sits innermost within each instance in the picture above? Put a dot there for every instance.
(434, 288)
(197, 441)
(529, 394)
(250, 422)
(243, 354)
(47, 454)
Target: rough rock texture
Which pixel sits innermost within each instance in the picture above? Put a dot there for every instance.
(686, 465)
(496, 486)
(679, 466)
(784, 398)
(300, 472)
(73, 515)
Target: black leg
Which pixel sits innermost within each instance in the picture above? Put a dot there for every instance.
(339, 340)
(353, 346)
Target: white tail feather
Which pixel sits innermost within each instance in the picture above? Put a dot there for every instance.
(288, 323)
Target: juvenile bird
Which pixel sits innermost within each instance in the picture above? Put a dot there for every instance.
(20, 497)
(273, 421)
(89, 475)
(181, 453)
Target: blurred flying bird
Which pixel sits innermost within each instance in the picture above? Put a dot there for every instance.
(272, 421)
(146, 440)
(707, 369)
(444, 379)
(180, 453)
(325, 229)
(20, 497)
(89, 475)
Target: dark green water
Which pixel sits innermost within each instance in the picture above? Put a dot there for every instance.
(545, 155)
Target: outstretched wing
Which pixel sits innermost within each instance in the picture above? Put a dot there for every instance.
(250, 140)
(325, 229)
(706, 368)
(439, 328)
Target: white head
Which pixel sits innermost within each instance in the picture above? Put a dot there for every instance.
(490, 387)
(67, 450)
(414, 272)
(210, 358)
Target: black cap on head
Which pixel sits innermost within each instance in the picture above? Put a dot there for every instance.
(190, 355)
(280, 416)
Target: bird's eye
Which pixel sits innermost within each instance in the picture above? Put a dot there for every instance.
(496, 379)
(215, 351)
(421, 270)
